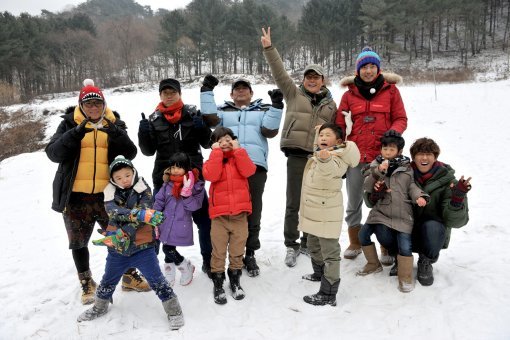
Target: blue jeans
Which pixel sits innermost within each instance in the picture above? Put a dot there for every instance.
(365, 233)
(428, 239)
(393, 240)
(146, 261)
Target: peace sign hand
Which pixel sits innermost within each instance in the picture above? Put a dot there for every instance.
(265, 39)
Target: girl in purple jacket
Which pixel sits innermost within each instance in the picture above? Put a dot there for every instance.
(181, 194)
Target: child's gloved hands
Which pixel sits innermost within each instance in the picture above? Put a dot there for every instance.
(188, 185)
(114, 239)
(149, 216)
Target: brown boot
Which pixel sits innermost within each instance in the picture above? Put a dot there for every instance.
(373, 265)
(386, 259)
(131, 280)
(88, 287)
(405, 273)
(354, 248)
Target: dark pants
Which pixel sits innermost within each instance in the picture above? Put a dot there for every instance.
(172, 255)
(295, 168)
(146, 261)
(257, 182)
(394, 241)
(428, 239)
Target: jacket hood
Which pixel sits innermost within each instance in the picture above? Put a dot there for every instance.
(389, 77)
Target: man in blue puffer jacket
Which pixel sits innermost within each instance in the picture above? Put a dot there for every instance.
(252, 122)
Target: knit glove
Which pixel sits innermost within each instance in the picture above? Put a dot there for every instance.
(276, 98)
(459, 192)
(209, 83)
(149, 216)
(392, 133)
(198, 120)
(378, 193)
(188, 185)
(79, 131)
(144, 126)
(114, 239)
(112, 130)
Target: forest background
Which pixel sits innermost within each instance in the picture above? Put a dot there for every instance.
(119, 42)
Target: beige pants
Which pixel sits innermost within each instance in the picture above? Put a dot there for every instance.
(228, 233)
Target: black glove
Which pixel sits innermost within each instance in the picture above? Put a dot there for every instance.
(276, 98)
(112, 130)
(80, 130)
(392, 133)
(145, 126)
(209, 83)
(198, 121)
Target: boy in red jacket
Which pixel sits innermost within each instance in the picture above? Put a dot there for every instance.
(228, 169)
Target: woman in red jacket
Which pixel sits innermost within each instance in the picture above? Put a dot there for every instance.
(228, 169)
(370, 108)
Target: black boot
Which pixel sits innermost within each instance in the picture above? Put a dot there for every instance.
(326, 294)
(251, 264)
(206, 267)
(219, 293)
(394, 269)
(425, 275)
(234, 276)
(317, 273)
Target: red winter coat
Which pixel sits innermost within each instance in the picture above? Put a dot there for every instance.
(229, 193)
(372, 118)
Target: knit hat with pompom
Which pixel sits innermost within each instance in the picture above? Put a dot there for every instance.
(89, 92)
(367, 56)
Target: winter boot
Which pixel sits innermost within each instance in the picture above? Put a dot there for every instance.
(234, 276)
(169, 270)
(373, 265)
(187, 270)
(131, 280)
(250, 263)
(206, 267)
(316, 276)
(394, 268)
(174, 312)
(425, 274)
(219, 293)
(88, 287)
(326, 294)
(354, 248)
(291, 257)
(405, 273)
(100, 308)
(386, 259)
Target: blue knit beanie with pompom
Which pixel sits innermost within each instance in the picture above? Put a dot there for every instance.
(367, 56)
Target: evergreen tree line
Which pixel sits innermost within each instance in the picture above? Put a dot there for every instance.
(55, 52)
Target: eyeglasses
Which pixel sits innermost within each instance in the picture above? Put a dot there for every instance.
(93, 103)
(313, 77)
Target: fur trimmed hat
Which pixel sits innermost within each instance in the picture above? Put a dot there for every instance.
(367, 56)
(89, 92)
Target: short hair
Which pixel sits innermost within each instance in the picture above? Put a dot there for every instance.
(425, 145)
(398, 141)
(336, 129)
(221, 131)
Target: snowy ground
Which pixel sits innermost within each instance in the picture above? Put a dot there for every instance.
(39, 290)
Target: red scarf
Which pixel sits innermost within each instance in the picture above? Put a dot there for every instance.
(173, 112)
(177, 180)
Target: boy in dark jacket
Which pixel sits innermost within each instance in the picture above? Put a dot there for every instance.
(130, 241)
(228, 169)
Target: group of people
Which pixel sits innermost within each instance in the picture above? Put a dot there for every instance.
(414, 202)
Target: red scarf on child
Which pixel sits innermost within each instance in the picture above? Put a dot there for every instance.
(173, 112)
(177, 180)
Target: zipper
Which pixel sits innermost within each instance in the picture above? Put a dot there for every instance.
(95, 155)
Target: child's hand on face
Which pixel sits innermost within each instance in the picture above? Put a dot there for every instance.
(215, 145)
(421, 201)
(235, 144)
(324, 154)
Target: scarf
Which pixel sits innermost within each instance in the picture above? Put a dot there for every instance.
(422, 178)
(394, 163)
(177, 180)
(173, 112)
(364, 88)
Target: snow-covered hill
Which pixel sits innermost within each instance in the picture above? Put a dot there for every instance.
(39, 290)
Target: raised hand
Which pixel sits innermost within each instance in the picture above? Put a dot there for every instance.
(144, 126)
(276, 98)
(112, 130)
(459, 191)
(209, 83)
(324, 154)
(265, 39)
(188, 185)
(80, 130)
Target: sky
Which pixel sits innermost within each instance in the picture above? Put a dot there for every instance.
(470, 299)
(34, 7)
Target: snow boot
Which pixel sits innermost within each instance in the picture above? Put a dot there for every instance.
(174, 312)
(316, 276)
(394, 268)
(131, 280)
(187, 270)
(425, 274)
(219, 293)
(234, 276)
(405, 273)
(386, 259)
(291, 257)
(206, 267)
(373, 265)
(88, 287)
(169, 270)
(100, 308)
(326, 294)
(354, 248)
(251, 264)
